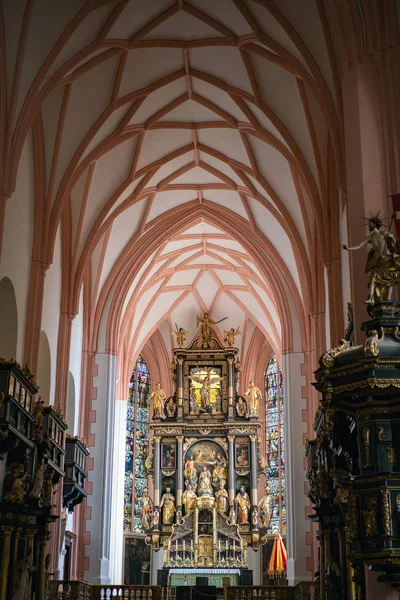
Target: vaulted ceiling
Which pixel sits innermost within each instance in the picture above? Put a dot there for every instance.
(189, 149)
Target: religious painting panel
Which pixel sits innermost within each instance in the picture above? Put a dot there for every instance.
(168, 455)
(242, 453)
(137, 561)
(205, 467)
(205, 387)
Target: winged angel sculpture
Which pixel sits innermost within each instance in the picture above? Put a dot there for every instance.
(206, 382)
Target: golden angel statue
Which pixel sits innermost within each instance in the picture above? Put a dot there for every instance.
(383, 261)
(230, 335)
(206, 382)
(159, 397)
(206, 322)
(253, 397)
(180, 335)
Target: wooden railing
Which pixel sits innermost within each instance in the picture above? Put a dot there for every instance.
(302, 591)
(77, 590)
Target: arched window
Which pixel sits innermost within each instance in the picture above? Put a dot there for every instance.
(137, 435)
(274, 445)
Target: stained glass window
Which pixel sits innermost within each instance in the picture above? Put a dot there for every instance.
(137, 435)
(275, 445)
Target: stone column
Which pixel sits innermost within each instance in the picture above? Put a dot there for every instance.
(157, 470)
(231, 470)
(253, 454)
(5, 559)
(179, 387)
(231, 392)
(179, 475)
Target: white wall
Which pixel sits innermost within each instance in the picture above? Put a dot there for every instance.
(75, 362)
(296, 500)
(51, 309)
(17, 239)
(101, 477)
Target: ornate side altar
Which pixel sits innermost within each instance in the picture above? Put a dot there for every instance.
(204, 459)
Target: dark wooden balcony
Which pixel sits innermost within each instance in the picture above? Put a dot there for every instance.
(75, 472)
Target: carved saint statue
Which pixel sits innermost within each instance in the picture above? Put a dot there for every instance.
(158, 396)
(206, 322)
(253, 397)
(205, 486)
(189, 499)
(37, 412)
(180, 336)
(170, 408)
(220, 471)
(168, 507)
(17, 490)
(22, 576)
(147, 510)
(36, 493)
(222, 497)
(383, 262)
(241, 407)
(265, 508)
(230, 335)
(243, 504)
(206, 382)
(190, 472)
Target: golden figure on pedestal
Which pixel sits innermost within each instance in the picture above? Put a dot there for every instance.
(189, 499)
(222, 498)
(383, 262)
(158, 396)
(243, 504)
(180, 334)
(205, 486)
(265, 508)
(168, 507)
(206, 322)
(253, 397)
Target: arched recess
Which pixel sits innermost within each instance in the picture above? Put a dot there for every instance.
(44, 368)
(8, 319)
(71, 404)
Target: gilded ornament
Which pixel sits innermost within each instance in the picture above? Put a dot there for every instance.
(180, 334)
(230, 335)
(391, 455)
(387, 525)
(367, 446)
(371, 347)
(328, 359)
(382, 436)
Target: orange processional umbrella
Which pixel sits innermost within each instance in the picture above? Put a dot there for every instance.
(278, 561)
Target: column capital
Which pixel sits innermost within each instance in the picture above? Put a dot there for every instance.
(157, 438)
(253, 438)
(231, 438)
(180, 439)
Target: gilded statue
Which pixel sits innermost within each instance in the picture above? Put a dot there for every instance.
(180, 334)
(190, 472)
(168, 507)
(38, 412)
(370, 517)
(170, 408)
(243, 504)
(189, 499)
(206, 323)
(265, 508)
(48, 490)
(241, 407)
(21, 577)
(222, 498)
(17, 491)
(253, 397)
(383, 262)
(206, 382)
(36, 493)
(205, 486)
(230, 335)
(158, 396)
(147, 510)
(371, 347)
(220, 471)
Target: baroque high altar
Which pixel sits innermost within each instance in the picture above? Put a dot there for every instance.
(204, 459)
